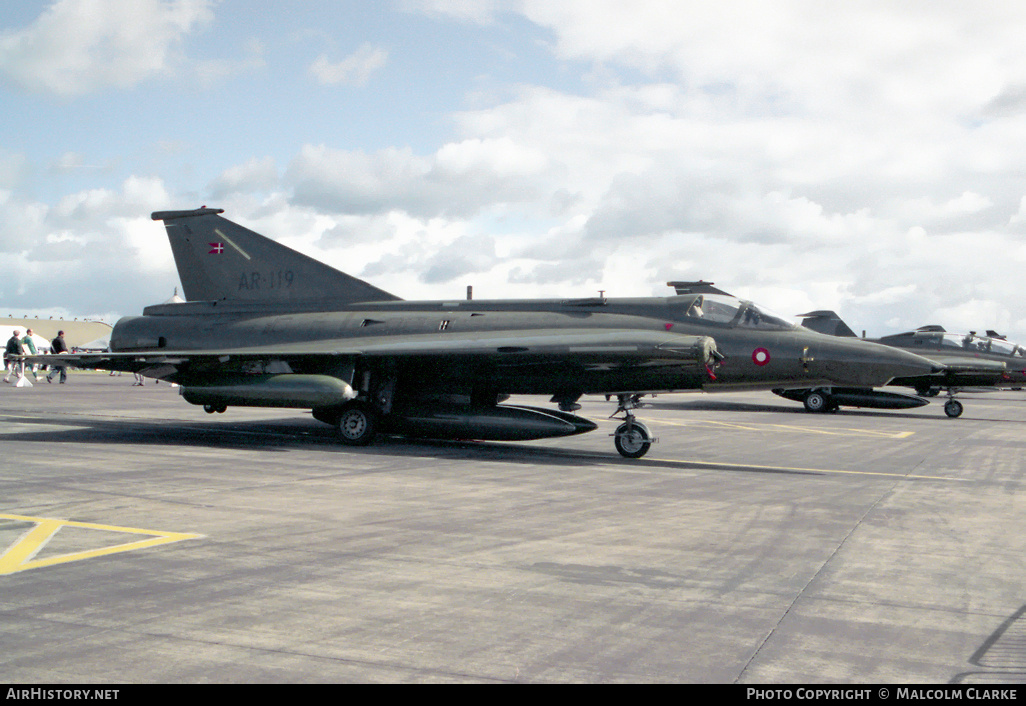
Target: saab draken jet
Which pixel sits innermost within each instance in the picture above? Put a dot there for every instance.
(266, 326)
(969, 360)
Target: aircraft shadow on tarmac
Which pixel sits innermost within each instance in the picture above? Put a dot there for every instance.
(708, 405)
(711, 405)
(292, 434)
(725, 406)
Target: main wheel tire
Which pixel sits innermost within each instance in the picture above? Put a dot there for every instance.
(953, 408)
(817, 402)
(632, 440)
(357, 424)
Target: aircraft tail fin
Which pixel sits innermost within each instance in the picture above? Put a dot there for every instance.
(221, 260)
(827, 322)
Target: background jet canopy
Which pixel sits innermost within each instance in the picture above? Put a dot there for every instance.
(970, 342)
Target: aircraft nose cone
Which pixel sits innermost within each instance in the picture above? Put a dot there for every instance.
(865, 364)
(908, 364)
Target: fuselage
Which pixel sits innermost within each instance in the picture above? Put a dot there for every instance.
(758, 351)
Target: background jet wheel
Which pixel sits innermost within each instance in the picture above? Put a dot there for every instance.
(357, 424)
(953, 408)
(634, 443)
(817, 402)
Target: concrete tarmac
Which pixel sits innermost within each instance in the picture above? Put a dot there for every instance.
(146, 541)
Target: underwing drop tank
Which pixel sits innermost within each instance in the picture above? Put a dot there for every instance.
(495, 423)
(285, 390)
(829, 399)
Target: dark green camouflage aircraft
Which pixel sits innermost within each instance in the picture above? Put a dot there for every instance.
(266, 326)
(969, 360)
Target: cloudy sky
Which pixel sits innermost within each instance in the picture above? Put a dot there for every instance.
(867, 157)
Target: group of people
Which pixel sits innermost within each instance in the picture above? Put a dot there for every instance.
(18, 346)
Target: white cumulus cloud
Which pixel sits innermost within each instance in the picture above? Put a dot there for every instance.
(354, 70)
(77, 47)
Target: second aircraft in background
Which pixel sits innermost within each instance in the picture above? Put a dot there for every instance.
(969, 360)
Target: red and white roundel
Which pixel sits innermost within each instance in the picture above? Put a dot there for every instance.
(760, 356)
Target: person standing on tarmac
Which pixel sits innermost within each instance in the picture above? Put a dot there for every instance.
(58, 346)
(14, 347)
(30, 349)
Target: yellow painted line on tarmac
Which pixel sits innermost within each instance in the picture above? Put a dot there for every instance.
(790, 428)
(19, 556)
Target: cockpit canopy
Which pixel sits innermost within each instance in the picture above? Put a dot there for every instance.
(971, 342)
(729, 311)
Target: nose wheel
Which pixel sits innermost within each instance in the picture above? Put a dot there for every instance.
(952, 408)
(632, 439)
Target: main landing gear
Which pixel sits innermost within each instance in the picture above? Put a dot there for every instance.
(357, 424)
(632, 438)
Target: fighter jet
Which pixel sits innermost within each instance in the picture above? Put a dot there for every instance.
(266, 326)
(969, 360)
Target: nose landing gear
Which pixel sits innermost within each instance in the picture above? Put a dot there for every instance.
(952, 408)
(632, 439)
